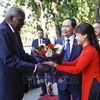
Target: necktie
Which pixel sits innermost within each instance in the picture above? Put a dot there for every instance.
(40, 41)
(68, 48)
(15, 35)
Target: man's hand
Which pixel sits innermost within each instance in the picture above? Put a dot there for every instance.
(43, 68)
(50, 63)
(49, 87)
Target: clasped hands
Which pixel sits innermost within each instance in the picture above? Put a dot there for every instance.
(46, 66)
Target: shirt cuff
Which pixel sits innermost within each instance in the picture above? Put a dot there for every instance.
(35, 68)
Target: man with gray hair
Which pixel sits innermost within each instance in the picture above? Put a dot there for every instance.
(96, 26)
(15, 64)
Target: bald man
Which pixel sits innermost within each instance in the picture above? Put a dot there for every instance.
(15, 64)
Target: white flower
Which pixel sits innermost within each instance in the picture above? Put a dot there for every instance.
(49, 53)
(60, 47)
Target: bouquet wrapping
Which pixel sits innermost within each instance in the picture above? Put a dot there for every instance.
(49, 52)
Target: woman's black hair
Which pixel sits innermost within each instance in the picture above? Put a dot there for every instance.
(86, 28)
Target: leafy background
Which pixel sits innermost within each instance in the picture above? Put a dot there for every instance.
(49, 14)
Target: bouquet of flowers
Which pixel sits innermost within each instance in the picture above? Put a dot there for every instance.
(49, 52)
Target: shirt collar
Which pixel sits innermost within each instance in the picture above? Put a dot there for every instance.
(71, 38)
(40, 39)
(99, 39)
(11, 27)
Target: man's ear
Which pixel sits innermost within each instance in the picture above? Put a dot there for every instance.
(11, 18)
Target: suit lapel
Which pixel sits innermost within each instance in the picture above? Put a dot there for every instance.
(19, 48)
(62, 41)
(10, 32)
(73, 47)
(44, 41)
(37, 42)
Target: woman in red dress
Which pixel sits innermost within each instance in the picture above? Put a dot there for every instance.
(88, 62)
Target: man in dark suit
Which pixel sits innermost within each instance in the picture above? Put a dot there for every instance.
(37, 42)
(69, 85)
(96, 26)
(15, 64)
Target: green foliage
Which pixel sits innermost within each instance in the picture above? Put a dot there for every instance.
(54, 50)
(57, 10)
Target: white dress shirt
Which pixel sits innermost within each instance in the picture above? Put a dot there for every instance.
(71, 42)
(40, 42)
(99, 41)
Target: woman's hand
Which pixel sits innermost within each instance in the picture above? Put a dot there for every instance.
(50, 63)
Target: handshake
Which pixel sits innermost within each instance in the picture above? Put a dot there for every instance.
(44, 68)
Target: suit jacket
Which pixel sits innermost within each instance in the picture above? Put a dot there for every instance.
(15, 65)
(89, 63)
(45, 41)
(64, 78)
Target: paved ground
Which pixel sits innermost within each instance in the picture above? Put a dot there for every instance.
(33, 94)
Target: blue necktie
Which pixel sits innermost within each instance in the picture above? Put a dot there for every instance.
(68, 48)
(40, 41)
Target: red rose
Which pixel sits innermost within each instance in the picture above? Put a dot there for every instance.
(50, 46)
(55, 54)
(41, 47)
(36, 52)
(43, 53)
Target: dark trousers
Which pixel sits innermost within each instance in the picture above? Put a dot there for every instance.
(42, 82)
(65, 95)
(95, 90)
(68, 93)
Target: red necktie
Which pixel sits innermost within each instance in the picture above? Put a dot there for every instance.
(16, 38)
